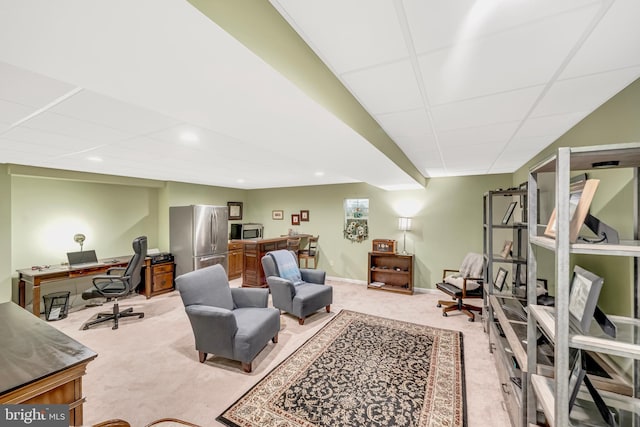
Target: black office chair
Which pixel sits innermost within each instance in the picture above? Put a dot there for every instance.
(112, 286)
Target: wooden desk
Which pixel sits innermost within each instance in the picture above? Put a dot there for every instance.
(252, 272)
(54, 273)
(40, 364)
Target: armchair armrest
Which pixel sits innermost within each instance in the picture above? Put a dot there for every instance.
(310, 275)
(446, 271)
(248, 297)
(212, 324)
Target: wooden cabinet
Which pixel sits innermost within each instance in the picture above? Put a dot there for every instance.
(158, 278)
(390, 272)
(42, 366)
(235, 260)
(253, 251)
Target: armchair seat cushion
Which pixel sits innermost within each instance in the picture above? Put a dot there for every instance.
(311, 296)
(456, 292)
(458, 281)
(253, 325)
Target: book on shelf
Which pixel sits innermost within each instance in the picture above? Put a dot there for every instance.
(376, 284)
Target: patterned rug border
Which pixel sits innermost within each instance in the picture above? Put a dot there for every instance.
(329, 324)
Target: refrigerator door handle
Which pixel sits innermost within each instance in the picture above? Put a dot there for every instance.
(214, 238)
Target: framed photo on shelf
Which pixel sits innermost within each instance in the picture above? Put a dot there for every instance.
(576, 376)
(295, 219)
(581, 192)
(304, 215)
(506, 249)
(508, 213)
(277, 215)
(583, 297)
(235, 210)
(501, 278)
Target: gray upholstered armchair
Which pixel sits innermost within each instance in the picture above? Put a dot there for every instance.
(298, 291)
(230, 322)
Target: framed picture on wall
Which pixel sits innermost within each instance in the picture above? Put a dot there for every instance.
(295, 219)
(277, 214)
(304, 215)
(235, 210)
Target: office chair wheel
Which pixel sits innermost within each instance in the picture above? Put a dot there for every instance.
(471, 319)
(141, 316)
(444, 314)
(439, 305)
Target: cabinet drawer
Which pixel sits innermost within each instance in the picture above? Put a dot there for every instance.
(162, 281)
(162, 268)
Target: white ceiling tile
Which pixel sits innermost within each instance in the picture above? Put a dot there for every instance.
(74, 128)
(29, 88)
(584, 93)
(10, 112)
(613, 44)
(362, 32)
(549, 126)
(435, 25)
(386, 88)
(478, 134)
(495, 63)
(488, 110)
(406, 123)
(53, 142)
(108, 112)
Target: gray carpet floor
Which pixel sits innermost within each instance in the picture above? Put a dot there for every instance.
(148, 368)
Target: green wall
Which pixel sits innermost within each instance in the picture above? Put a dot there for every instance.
(614, 122)
(46, 210)
(5, 234)
(447, 222)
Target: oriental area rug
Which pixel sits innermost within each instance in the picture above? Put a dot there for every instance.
(362, 370)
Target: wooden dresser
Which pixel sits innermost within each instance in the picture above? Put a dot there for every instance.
(40, 364)
(254, 250)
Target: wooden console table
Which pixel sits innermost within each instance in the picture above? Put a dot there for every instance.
(40, 364)
(42, 275)
(254, 250)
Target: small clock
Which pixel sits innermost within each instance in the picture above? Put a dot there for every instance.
(384, 246)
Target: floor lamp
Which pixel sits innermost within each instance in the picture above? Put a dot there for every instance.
(404, 224)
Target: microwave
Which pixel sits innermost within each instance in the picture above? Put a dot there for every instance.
(246, 231)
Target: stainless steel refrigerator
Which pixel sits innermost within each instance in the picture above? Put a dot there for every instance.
(198, 236)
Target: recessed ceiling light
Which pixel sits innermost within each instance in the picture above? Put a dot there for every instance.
(240, 181)
(189, 137)
(94, 159)
(319, 174)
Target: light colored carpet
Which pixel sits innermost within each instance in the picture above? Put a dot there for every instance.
(149, 369)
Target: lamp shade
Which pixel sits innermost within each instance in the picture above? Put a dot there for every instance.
(404, 224)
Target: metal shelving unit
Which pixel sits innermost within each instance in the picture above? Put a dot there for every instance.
(552, 395)
(505, 317)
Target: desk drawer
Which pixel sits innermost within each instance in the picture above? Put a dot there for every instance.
(163, 281)
(162, 268)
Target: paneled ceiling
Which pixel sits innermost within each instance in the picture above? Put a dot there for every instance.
(155, 89)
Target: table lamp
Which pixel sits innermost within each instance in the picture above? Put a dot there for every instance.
(79, 238)
(404, 224)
